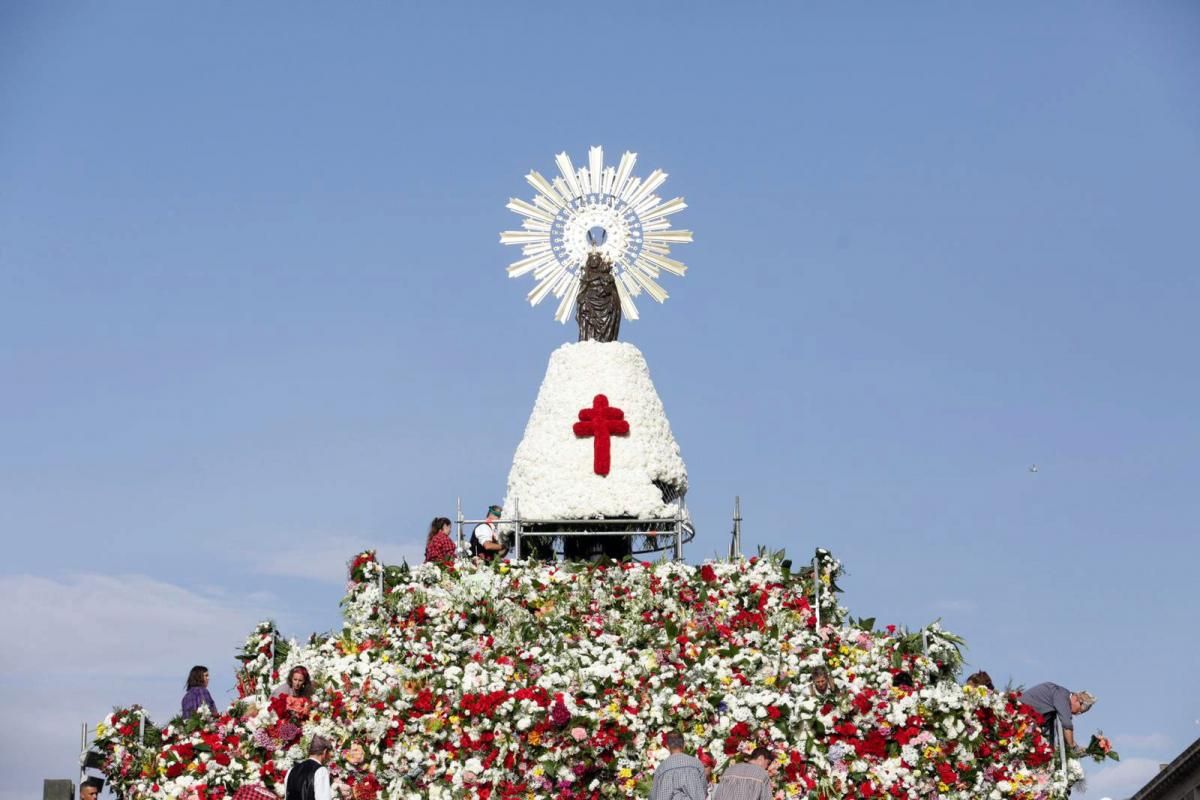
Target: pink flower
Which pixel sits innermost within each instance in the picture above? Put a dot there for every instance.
(578, 734)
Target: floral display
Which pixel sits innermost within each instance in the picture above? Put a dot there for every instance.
(554, 474)
(531, 680)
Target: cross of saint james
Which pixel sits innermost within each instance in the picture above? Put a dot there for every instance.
(600, 422)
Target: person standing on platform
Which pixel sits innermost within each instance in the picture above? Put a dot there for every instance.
(485, 539)
(748, 780)
(439, 547)
(309, 780)
(197, 692)
(679, 776)
(1054, 702)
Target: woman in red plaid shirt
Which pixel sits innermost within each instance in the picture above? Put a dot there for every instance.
(439, 546)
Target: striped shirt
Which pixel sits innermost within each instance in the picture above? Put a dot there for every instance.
(744, 782)
(679, 777)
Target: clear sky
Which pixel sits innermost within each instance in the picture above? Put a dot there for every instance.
(254, 315)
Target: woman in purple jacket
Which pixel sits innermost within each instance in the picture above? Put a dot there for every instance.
(197, 692)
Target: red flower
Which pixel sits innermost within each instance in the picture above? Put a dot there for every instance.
(708, 574)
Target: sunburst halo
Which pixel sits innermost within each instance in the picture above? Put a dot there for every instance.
(554, 231)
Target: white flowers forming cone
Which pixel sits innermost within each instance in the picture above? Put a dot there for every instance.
(552, 474)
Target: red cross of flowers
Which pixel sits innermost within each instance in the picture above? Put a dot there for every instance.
(601, 421)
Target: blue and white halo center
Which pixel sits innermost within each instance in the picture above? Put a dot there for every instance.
(596, 208)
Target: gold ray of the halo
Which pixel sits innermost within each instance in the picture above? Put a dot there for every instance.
(519, 268)
(567, 306)
(677, 237)
(631, 186)
(568, 172)
(624, 170)
(539, 292)
(652, 182)
(662, 262)
(528, 210)
(536, 248)
(653, 289)
(628, 308)
(596, 168)
(610, 176)
(651, 212)
(545, 188)
(523, 237)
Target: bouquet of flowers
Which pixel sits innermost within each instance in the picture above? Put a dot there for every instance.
(1100, 748)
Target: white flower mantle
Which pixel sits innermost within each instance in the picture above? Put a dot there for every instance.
(552, 475)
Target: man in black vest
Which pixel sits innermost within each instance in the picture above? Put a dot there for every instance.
(309, 780)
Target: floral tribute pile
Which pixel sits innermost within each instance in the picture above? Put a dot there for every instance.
(529, 680)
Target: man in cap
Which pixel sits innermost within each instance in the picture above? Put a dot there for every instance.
(485, 539)
(1054, 702)
(309, 780)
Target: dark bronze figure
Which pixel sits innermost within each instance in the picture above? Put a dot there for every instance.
(598, 306)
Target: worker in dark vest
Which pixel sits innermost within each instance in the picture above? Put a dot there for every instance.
(309, 780)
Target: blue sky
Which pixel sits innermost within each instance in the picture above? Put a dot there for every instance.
(253, 316)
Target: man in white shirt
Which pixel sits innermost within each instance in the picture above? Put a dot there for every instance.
(485, 539)
(309, 780)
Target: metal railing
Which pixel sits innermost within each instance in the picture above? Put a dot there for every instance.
(673, 532)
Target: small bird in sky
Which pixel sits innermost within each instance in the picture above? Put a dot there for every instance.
(1033, 468)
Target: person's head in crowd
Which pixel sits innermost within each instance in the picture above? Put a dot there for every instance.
(674, 741)
(1081, 702)
(981, 679)
(494, 513)
(441, 524)
(197, 677)
(902, 679)
(820, 680)
(761, 756)
(319, 748)
(90, 788)
(299, 682)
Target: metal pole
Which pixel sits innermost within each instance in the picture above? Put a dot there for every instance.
(1062, 745)
(83, 732)
(679, 534)
(817, 589)
(516, 530)
(737, 526)
(459, 518)
(925, 643)
(142, 728)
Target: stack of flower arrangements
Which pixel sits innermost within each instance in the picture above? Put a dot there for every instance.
(557, 681)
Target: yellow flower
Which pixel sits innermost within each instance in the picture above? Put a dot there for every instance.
(699, 729)
(769, 680)
(625, 772)
(100, 729)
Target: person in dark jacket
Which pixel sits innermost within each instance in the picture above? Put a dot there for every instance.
(309, 780)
